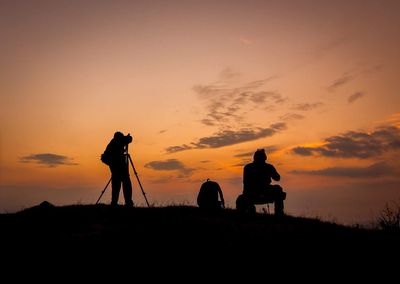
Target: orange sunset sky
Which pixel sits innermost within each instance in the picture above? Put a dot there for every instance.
(201, 85)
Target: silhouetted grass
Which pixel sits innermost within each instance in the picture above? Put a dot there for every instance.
(389, 219)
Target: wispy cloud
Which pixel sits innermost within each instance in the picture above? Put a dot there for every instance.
(229, 137)
(226, 103)
(48, 159)
(376, 170)
(349, 76)
(183, 147)
(170, 165)
(356, 96)
(291, 116)
(307, 106)
(393, 119)
(229, 74)
(249, 154)
(339, 82)
(354, 144)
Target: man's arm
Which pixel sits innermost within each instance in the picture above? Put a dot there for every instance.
(245, 175)
(274, 173)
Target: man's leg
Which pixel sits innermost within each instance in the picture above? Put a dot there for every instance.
(244, 204)
(279, 197)
(127, 189)
(116, 187)
(116, 180)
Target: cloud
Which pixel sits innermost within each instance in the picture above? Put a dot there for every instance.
(339, 82)
(303, 151)
(229, 137)
(393, 119)
(354, 97)
(208, 122)
(353, 74)
(169, 165)
(249, 154)
(278, 126)
(375, 170)
(356, 144)
(228, 74)
(48, 159)
(291, 116)
(227, 104)
(227, 107)
(307, 106)
(183, 147)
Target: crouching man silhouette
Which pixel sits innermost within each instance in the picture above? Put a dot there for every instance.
(257, 187)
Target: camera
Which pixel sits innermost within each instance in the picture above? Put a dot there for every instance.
(128, 138)
(121, 138)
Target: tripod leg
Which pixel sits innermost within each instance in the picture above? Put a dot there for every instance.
(137, 177)
(103, 191)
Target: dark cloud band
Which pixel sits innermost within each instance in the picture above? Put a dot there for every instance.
(169, 165)
(375, 170)
(354, 97)
(47, 159)
(353, 144)
(229, 137)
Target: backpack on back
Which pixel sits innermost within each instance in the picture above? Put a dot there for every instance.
(106, 158)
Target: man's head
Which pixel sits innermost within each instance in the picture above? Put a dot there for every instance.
(120, 137)
(260, 156)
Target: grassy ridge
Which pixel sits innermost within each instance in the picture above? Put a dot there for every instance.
(155, 236)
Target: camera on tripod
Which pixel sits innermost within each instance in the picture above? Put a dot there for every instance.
(120, 138)
(127, 139)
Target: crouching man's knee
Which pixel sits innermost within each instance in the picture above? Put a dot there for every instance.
(280, 194)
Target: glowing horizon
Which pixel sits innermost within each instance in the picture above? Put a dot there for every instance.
(201, 86)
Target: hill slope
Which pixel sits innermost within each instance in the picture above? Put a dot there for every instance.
(182, 234)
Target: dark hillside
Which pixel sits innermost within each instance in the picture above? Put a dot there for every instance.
(182, 235)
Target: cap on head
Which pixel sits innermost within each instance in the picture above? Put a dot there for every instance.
(260, 156)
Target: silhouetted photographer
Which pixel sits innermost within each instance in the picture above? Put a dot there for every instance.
(257, 187)
(116, 157)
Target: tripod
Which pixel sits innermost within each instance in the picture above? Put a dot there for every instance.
(128, 160)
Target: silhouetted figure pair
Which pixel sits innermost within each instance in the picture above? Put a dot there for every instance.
(210, 197)
(115, 156)
(257, 187)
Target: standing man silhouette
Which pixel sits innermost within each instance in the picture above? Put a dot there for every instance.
(257, 187)
(116, 158)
